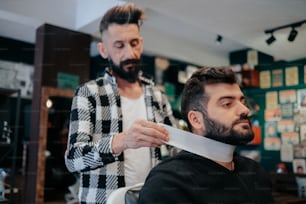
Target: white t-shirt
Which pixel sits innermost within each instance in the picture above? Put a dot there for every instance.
(137, 162)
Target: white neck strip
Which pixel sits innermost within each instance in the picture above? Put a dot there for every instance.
(203, 146)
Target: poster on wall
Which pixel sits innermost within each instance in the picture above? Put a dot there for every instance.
(265, 79)
(305, 74)
(303, 133)
(252, 57)
(290, 138)
(270, 129)
(285, 126)
(272, 143)
(299, 151)
(17, 76)
(299, 117)
(301, 95)
(286, 153)
(273, 114)
(287, 96)
(287, 110)
(299, 166)
(292, 76)
(271, 100)
(277, 78)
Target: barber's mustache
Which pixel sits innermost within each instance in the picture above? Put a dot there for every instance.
(129, 61)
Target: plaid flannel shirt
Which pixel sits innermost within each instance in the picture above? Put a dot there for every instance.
(95, 118)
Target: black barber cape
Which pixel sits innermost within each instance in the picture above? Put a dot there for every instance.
(189, 178)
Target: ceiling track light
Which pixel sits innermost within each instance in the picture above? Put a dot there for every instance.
(292, 35)
(219, 39)
(271, 39)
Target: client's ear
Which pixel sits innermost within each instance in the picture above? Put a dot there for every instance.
(196, 120)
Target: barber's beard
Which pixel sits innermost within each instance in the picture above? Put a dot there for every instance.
(218, 131)
(131, 75)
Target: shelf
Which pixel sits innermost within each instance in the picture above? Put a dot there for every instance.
(8, 92)
(12, 147)
(5, 145)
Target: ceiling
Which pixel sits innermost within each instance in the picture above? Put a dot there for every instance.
(180, 29)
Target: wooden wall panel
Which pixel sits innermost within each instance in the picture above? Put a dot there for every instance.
(56, 50)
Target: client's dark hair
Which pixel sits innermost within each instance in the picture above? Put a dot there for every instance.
(194, 97)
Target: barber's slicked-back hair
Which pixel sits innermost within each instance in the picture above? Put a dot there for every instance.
(122, 14)
(194, 97)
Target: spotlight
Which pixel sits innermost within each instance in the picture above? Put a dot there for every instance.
(219, 39)
(271, 39)
(292, 35)
(49, 103)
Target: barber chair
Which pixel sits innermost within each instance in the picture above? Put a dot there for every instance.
(125, 195)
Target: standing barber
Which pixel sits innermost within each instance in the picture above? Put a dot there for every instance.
(114, 137)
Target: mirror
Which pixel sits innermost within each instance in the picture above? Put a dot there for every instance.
(53, 178)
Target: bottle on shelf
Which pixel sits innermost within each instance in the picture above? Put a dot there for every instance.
(6, 133)
(3, 175)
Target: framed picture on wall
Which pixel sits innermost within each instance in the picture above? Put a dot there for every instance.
(299, 117)
(285, 126)
(301, 96)
(292, 76)
(287, 96)
(299, 166)
(303, 133)
(277, 77)
(305, 74)
(299, 150)
(287, 110)
(290, 138)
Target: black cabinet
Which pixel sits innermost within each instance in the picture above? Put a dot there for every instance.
(9, 131)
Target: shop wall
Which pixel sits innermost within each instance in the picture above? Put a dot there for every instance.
(280, 115)
(17, 56)
(171, 80)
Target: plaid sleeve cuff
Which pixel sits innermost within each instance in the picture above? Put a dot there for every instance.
(111, 149)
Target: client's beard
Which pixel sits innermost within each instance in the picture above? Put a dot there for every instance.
(131, 75)
(217, 131)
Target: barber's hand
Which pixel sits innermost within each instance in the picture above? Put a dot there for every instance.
(142, 133)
